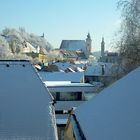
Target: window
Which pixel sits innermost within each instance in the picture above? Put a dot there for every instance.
(67, 96)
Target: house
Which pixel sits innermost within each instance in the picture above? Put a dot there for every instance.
(101, 72)
(108, 57)
(81, 47)
(68, 90)
(113, 114)
(68, 95)
(35, 52)
(26, 110)
(42, 57)
(28, 48)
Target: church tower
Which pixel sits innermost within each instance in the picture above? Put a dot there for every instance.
(102, 47)
(88, 44)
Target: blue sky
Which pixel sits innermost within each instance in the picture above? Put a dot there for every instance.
(63, 19)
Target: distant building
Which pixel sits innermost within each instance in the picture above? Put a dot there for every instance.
(81, 47)
(102, 47)
(42, 55)
(34, 52)
(113, 114)
(108, 57)
(101, 72)
(28, 48)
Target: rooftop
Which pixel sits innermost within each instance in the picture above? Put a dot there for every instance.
(73, 45)
(114, 113)
(74, 77)
(25, 103)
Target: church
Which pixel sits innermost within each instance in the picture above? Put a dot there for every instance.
(108, 57)
(82, 48)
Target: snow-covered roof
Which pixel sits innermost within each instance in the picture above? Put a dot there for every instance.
(74, 77)
(63, 65)
(69, 53)
(67, 84)
(38, 67)
(26, 110)
(67, 105)
(79, 69)
(68, 66)
(56, 83)
(28, 48)
(73, 45)
(70, 70)
(96, 69)
(70, 87)
(114, 114)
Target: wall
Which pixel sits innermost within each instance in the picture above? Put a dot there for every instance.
(68, 134)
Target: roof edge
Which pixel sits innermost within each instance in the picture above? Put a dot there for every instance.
(14, 60)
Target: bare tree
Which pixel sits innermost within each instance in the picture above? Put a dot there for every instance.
(129, 43)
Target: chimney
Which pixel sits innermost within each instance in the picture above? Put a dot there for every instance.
(103, 69)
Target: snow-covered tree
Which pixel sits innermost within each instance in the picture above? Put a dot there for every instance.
(4, 48)
(14, 40)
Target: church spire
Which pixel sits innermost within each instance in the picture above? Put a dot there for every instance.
(102, 47)
(88, 44)
(88, 36)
